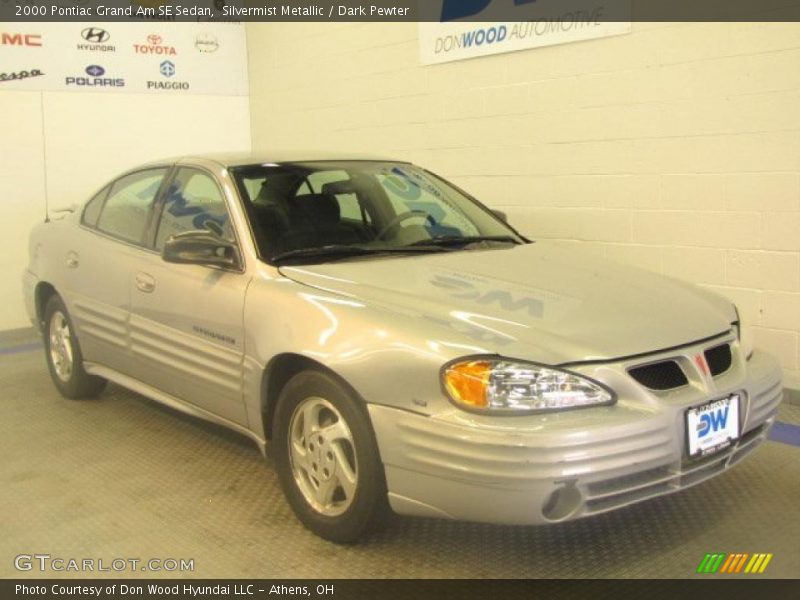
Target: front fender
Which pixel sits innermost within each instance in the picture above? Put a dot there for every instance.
(388, 358)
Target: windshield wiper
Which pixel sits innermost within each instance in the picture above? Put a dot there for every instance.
(336, 251)
(462, 240)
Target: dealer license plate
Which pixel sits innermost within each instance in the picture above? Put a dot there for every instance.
(712, 427)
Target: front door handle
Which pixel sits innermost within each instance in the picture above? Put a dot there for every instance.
(72, 260)
(145, 283)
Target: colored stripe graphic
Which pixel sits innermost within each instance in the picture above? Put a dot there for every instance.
(710, 563)
(765, 563)
(737, 562)
(728, 563)
(741, 561)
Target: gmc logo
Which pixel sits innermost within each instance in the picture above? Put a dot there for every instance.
(21, 39)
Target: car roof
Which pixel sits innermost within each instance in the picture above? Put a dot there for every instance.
(234, 159)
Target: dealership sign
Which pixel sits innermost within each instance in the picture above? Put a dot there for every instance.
(534, 23)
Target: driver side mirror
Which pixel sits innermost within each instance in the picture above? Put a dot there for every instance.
(500, 215)
(201, 248)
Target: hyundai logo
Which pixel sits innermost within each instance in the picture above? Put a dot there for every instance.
(167, 68)
(95, 70)
(95, 35)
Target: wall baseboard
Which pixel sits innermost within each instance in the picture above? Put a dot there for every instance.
(22, 335)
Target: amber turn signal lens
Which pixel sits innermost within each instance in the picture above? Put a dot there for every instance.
(467, 382)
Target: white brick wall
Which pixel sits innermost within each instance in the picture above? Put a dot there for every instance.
(676, 148)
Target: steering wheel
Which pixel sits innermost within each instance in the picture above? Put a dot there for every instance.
(402, 217)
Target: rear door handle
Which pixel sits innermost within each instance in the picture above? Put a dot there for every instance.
(145, 283)
(72, 260)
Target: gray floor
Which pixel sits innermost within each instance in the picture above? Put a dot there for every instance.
(122, 477)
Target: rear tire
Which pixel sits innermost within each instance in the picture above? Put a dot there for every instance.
(327, 458)
(63, 353)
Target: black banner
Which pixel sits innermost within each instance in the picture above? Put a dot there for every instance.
(733, 588)
(396, 10)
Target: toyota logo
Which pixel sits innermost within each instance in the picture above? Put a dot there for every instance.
(154, 39)
(95, 70)
(95, 35)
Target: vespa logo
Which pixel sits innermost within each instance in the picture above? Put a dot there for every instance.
(95, 35)
(460, 288)
(461, 9)
(712, 422)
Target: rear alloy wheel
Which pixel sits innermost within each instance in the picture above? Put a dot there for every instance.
(63, 353)
(327, 458)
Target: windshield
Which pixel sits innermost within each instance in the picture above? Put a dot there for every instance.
(360, 208)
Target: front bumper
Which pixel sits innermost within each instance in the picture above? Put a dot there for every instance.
(549, 468)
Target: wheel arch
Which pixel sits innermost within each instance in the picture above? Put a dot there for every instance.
(280, 369)
(42, 294)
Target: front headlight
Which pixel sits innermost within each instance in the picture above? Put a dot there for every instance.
(509, 387)
(745, 334)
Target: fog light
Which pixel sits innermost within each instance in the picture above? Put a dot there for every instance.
(562, 503)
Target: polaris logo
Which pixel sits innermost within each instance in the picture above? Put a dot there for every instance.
(94, 82)
(95, 78)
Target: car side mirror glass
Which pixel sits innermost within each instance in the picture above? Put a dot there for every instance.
(201, 248)
(500, 215)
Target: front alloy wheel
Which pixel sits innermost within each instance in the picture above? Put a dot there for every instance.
(327, 458)
(63, 353)
(322, 454)
(60, 346)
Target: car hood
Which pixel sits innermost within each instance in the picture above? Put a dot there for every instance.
(531, 301)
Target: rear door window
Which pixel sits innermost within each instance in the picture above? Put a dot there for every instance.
(127, 208)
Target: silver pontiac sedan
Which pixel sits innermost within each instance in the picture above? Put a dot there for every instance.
(396, 343)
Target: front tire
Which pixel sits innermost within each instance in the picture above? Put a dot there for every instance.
(327, 458)
(64, 358)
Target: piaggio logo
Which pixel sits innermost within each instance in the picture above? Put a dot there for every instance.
(167, 68)
(32, 40)
(732, 564)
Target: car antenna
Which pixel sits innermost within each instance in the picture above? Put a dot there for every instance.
(44, 164)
